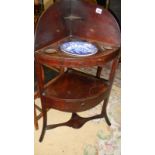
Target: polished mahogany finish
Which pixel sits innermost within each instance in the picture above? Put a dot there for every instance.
(77, 90)
(50, 75)
(76, 18)
(61, 59)
(74, 91)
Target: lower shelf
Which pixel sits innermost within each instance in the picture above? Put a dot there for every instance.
(75, 91)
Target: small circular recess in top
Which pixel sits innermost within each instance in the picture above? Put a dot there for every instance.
(78, 48)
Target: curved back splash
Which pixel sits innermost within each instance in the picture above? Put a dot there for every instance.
(76, 18)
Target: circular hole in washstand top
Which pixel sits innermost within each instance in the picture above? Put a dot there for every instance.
(50, 50)
(79, 48)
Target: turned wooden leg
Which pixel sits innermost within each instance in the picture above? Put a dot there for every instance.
(35, 119)
(44, 124)
(104, 111)
(99, 70)
(107, 119)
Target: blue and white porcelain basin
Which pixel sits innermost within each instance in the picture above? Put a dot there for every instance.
(78, 48)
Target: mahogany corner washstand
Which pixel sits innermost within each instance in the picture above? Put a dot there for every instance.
(74, 91)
